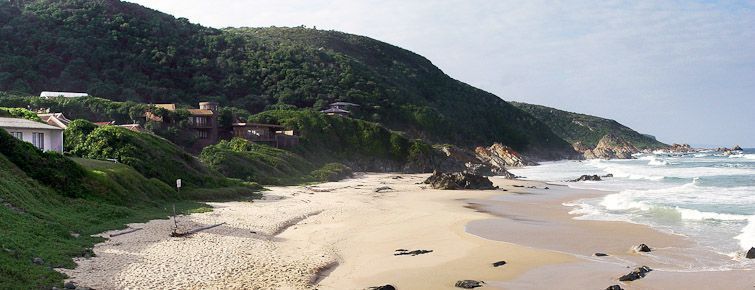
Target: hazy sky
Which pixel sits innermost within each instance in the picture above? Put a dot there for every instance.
(681, 70)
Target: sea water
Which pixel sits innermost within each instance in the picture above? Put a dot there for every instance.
(707, 196)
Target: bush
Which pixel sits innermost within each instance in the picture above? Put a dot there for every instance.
(75, 135)
(19, 113)
(50, 168)
(150, 155)
(332, 172)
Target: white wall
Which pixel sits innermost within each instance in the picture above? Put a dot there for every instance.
(53, 138)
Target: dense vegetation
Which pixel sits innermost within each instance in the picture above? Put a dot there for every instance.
(41, 218)
(151, 155)
(360, 144)
(18, 113)
(122, 51)
(245, 160)
(574, 127)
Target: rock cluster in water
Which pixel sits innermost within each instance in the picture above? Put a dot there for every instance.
(458, 180)
(587, 177)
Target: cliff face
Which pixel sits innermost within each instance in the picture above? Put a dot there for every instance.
(501, 156)
(609, 147)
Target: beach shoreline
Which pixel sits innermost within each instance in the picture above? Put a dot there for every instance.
(343, 235)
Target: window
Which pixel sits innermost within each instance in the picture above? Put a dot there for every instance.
(202, 134)
(38, 139)
(18, 135)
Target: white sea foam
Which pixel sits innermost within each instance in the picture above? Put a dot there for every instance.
(658, 162)
(747, 235)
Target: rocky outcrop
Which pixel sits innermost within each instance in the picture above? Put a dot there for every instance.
(736, 148)
(586, 178)
(751, 253)
(636, 274)
(680, 148)
(460, 160)
(499, 156)
(609, 147)
(458, 180)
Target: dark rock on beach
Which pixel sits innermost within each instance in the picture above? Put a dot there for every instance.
(600, 254)
(638, 273)
(69, 285)
(614, 287)
(499, 263)
(586, 177)
(468, 284)
(751, 253)
(458, 180)
(402, 252)
(642, 248)
(384, 287)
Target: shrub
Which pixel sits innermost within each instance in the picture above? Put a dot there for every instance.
(50, 168)
(332, 172)
(75, 135)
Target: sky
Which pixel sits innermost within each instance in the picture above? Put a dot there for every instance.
(683, 71)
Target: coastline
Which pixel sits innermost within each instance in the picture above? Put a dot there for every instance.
(343, 236)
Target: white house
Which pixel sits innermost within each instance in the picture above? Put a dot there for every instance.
(48, 95)
(43, 136)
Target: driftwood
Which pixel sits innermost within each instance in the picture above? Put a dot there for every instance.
(125, 232)
(177, 234)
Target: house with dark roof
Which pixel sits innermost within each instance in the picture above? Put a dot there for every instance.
(203, 122)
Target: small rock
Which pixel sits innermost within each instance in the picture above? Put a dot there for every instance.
(546, 188)
(614, 287)
(384, 287)
(636, 274)
(751, 253)
(499, 263)
(38, 261)
(608, 175)
(383, 188)
(642, 248)
(600, 254)
(468, 284)
(69, 285)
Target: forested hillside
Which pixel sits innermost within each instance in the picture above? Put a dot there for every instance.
(122, 51)
(587, 129)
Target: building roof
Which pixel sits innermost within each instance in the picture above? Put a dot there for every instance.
(169, 107)
(55, 119)
(47, 94)
(344, 104)
(24, 124)
(104, 123)
(336, 111)
(256, 125)
(200, 112)
(133, 127)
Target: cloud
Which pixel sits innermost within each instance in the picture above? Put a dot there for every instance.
(676, 69)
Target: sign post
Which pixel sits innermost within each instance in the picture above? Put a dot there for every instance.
(175, 222)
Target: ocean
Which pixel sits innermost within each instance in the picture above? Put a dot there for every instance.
(706, 196)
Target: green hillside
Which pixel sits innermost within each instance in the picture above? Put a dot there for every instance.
(40, 217)
(575, 127)
(122, 51)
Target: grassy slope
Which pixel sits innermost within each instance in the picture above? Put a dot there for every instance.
(99, 47)
(36, 221)
(575, 127)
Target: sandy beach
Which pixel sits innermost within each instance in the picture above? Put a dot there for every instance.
(343, 235)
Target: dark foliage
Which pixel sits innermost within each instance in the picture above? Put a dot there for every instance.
(122, 51)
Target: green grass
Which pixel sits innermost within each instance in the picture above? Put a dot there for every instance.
(50, 205)
(239, 158)
(36, 221)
